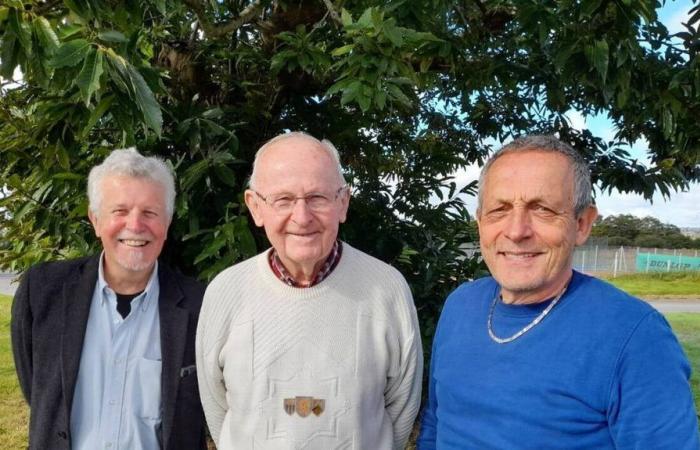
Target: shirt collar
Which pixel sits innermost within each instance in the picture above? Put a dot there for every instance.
(283, 274)
(105, 289)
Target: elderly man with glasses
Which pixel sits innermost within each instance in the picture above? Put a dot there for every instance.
(311, 344)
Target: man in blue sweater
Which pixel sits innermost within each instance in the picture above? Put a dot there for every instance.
(540, 356)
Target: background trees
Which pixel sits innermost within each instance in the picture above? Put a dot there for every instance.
(409, 91)
(628, 230)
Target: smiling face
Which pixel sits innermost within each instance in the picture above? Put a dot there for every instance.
(132, 224)
(303, 239)
(527, 225)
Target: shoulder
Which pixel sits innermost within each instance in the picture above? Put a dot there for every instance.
(235, 275)
(362, 266)
(601, 298)
(471, 293)
(48, 275)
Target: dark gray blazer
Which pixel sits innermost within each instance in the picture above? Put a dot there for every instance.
(49, 317)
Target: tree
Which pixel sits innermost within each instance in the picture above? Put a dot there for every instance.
(409, 91)
(649, 232)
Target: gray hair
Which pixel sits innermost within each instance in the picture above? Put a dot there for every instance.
(129, 162)
(582, 173)
(325, 145)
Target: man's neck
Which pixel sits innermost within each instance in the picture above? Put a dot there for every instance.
(511, 297)
(127, 282)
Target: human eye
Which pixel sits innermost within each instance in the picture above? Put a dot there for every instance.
(119, 211)
(282, 200)
(150, 214)
(496, 211)
(317, 200)
(543, 210)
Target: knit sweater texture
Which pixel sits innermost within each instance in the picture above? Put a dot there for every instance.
(348, 347)
(603, 370)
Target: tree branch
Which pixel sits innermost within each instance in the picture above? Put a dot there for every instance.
(219, 30)
(331, 10)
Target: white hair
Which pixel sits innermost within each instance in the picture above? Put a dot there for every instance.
(129, 162)
(325, 145)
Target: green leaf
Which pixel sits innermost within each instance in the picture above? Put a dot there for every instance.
(21, 30)
(588, 7)
(97, 113)
(70, 53)
(67, 176)
(345, 17)
(46, 34)
(112, 36)
(160, 5)
(88, 80)
(79, 7)
(598, 56)
(146, 101)
(225, 175)
(393, 33)
(365, 19)
(8, 56)
(343, 50)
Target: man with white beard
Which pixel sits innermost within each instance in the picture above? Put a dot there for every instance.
(104, 345)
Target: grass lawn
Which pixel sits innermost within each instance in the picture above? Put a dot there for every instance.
(14, 414)
(662, 284)
(687, 329)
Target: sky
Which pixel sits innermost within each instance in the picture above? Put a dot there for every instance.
(682, 209)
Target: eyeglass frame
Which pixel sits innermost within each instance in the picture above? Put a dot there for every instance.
(296, 198)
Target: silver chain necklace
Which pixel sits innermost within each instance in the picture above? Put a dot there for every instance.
(527, 328)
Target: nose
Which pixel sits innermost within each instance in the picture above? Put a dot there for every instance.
(301, 213)
(519, 225)
(134, 221)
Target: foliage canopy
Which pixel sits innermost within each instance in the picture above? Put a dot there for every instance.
(650, 232)
(409, 91)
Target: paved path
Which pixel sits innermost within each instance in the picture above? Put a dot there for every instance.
(676, 305)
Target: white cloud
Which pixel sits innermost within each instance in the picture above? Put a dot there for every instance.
(681, 210)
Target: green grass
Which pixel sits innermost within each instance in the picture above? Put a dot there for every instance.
(687, 329)
(662, 284)
(14, 414)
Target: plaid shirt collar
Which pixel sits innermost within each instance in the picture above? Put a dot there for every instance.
(331, 262)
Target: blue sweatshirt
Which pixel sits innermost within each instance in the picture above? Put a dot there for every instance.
(602, 370)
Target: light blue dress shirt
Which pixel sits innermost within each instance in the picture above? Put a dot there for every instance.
(117, 402)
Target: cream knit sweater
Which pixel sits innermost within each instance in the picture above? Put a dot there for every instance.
(334, 366)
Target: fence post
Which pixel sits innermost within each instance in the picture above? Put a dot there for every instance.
(648, 261)
(615, 266)
(595, 260)
(668, 265)
(583, 261)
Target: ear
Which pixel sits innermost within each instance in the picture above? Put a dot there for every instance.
(344, 205)
(93, 220)
(254, 204)
(584, 223)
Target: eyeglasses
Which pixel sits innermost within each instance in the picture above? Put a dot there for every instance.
(316, 201)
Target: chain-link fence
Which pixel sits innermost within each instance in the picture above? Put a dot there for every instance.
(598, 257)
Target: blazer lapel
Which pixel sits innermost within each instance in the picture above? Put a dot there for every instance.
(77, 297)
(173, 337)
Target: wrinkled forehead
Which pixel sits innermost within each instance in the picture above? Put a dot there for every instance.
(529, 176)
(295, 161)
(117, 187)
